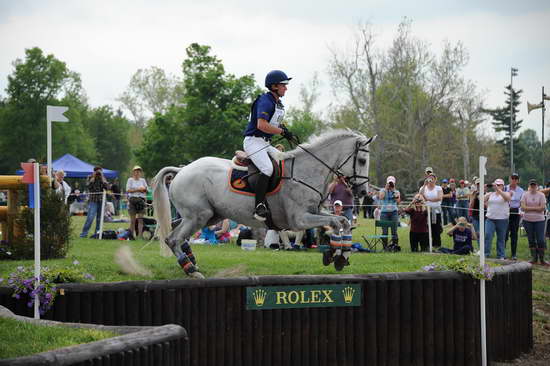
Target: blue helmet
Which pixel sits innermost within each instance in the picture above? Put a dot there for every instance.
(276, 77)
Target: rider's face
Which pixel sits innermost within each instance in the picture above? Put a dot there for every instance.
(280, 89)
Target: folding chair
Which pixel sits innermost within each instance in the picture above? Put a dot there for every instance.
(371, 241)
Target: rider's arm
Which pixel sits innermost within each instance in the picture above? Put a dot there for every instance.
(265, 126)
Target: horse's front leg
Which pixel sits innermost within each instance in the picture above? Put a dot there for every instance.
(340, 239)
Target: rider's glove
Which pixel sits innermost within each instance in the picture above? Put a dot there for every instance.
(286, 133)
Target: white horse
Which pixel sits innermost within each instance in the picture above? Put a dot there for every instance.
(201, 194)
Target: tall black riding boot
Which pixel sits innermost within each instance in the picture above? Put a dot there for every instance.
(260, 212)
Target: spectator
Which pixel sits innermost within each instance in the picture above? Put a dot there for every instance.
(428, 172)
(516, 192)
(498, 212)
(136, 187)
(433, 195)
(533, 205)
(462, 238)
(418, 235)
(115, 188)
(96, 185)
(446, 203)
(62, 188)
(462, 199)
(474, 207)
(340, 191)
(389, 198)
(368, 203)
(452, 185)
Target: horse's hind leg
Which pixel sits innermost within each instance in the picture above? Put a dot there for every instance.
(183, 252)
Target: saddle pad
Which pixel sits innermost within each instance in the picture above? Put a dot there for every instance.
(241, 186)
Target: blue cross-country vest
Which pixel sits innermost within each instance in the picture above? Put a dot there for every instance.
(266, 107)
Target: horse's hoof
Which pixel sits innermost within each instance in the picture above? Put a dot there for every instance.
(327, 257)
(339, 262)
(197, 275)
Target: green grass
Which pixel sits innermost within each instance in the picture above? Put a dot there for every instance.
(23, 339)
(97, 257)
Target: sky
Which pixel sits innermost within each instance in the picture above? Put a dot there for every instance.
(106, 42)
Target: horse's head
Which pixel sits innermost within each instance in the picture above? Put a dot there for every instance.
(356, 167)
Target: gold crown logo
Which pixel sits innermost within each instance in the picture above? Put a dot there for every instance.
(259, 297)
(348, 293)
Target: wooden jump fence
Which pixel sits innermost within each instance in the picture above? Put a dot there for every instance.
(421, 318)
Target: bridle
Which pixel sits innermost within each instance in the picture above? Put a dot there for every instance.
(336, 171)
(355, 153)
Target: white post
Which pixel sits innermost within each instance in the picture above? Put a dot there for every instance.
(103, 199)
(36, 168)
(430, 226)
(49, 143)
(53, 114)
(482, 172)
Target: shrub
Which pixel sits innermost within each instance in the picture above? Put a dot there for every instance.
(22, 281)
(55, 225)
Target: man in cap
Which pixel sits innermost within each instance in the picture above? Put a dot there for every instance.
(446, 203)
(136, 187)
(96, 184)
(462, 199)
(513, 222)
(389, 198)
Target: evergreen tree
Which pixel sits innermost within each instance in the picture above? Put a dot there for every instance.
(501, 118)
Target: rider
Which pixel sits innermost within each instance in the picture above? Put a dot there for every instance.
(266, 115)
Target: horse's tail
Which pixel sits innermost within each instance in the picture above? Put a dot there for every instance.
(161, 202)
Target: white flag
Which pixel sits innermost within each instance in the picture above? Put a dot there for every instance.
(55, 114)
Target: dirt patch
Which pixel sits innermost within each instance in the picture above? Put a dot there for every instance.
(540, 356)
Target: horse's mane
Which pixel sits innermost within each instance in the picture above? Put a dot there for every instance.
(321, 140)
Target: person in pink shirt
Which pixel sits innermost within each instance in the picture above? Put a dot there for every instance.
(533, 204)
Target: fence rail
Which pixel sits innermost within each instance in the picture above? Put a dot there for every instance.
(405, 318)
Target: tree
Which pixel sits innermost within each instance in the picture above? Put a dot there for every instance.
(407, 96)
(210, 119)
(36, 81)
(160, 146)
(501, 118)
(302, 120)
(110, 132)
(527, 155)
(150, 91)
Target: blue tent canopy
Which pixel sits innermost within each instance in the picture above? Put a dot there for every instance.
(76, 168)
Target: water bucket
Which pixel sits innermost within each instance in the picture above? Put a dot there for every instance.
(248, 244)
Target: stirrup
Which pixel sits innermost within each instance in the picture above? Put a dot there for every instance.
(260, 212)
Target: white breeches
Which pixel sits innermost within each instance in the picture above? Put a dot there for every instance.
(257, 149)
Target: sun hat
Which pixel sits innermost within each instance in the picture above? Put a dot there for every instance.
(532, 181)
(514, 175)
(429, 169)
(137, 167)
(444, 181)
(338, 202)
(461, 221)
(498, 181)
(390, 178)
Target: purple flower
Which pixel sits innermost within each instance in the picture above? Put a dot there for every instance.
(76, 263)
(48, 296)
(17, 296)
(1, 280)
(88, 276)
(20, 268)
(429, 267)
(29, 304)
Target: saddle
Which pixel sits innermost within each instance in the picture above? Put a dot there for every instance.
(244, 174)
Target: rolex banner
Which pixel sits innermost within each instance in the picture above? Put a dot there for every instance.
(307, 296)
